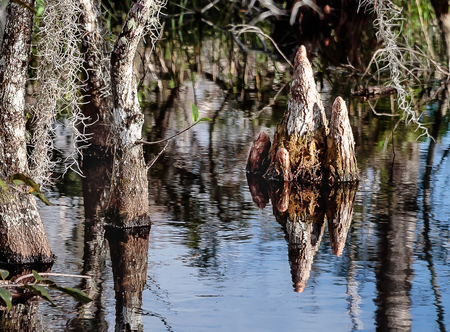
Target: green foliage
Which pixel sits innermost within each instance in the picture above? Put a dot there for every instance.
(41, 291)
(35, 189)
(3, 185)
(4, 274)
(195, 114)
(6, 296)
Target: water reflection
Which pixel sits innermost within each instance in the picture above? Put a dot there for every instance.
(301, 211)
(22, 317)
(129, 258)
(95, 186)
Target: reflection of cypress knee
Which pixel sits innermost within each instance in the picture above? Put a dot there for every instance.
(304, 241)
(258, 190)
(339, 216)
(341, 160)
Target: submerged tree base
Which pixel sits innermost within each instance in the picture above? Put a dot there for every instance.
(22, 236)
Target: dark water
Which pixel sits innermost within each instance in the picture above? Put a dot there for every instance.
(218, 262)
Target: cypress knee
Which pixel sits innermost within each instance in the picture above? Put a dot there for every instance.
(303, 130)
(258, 160)
(341, 160)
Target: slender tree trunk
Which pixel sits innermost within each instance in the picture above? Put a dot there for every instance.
(97, 100)
(128, 205)
(22, 236)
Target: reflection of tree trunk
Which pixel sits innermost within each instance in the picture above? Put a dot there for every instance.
(428, 244)
(258, 190)
(129, 257)
(22, 317)
(396, 237)
(95, 185)
(22, 238)
(128, 205)
(301, 212)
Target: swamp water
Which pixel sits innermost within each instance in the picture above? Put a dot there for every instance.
(218, 262)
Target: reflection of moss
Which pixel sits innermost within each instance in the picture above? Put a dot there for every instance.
(304, 205)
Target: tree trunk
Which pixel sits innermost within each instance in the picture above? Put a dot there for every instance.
(22, 236)
(128, 205)
(303, 130)
(97, 100)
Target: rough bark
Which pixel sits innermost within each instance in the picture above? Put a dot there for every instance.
(258, 159)
(22, 317)
(97, 104)
(128, 205)
(129, 257)
(303, 148)
(22, 236)
(303, 130)
(341, 159)
(339, 216)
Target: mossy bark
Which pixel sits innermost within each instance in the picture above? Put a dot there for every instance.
(22, 235)
(303, 130)
(304, 150)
